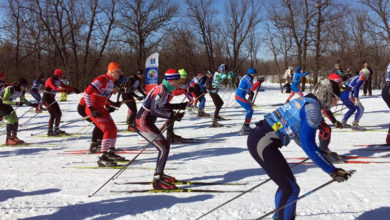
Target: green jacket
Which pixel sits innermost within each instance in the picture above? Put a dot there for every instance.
(10, 94)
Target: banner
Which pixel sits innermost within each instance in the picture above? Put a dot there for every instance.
(151, 72)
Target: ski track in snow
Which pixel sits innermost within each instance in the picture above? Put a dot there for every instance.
(39, 181)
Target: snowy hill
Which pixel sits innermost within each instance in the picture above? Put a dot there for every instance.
(52, 177)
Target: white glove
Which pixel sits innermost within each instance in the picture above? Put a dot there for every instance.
(357, 102)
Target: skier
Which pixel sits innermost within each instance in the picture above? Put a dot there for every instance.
(386, 97)
(246, 85)
(156, 105)
(218, 78)
(297, 120)
(128, 89)
(197, 89)
(350, 98)
(10, 93)
(34, 91)
(52, 86)
(96, 98)
(288, 76)
(295, 83)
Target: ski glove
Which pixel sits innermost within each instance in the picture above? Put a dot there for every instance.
(178, 116)
(338, 124)
(340, 175)
(357, 102)
(94, 112)
(19, 103)
(261, 79)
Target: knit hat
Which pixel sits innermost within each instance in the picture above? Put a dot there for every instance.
(222, 68)
(139, 72)
(172, 74)
(335, 77)
(298, 69)
(325, 90)
(365, 73)
(59, 73)
(183, 74)
(252, 71)
(113, 66)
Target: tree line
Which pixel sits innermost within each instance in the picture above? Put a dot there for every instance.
(82, 36)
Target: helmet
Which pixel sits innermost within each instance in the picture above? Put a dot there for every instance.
(252, 71)
(59, 73)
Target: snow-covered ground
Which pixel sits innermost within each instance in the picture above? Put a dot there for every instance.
(50, 179)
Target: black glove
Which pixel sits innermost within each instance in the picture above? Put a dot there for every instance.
(117, 104)
(261, 79)
(34, 105)
(340, 175)
(182, 106)
(94, 112)
(178, 116)
(110, 109)
(19, 103)
(338, 124)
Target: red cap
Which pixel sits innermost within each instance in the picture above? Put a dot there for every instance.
(59, 73)
(113, 66)
(335, 77)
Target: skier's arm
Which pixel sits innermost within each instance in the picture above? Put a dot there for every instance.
(66, 87)
(356, 88)
(7, 96)
(329, 115)
(94, 87)
(310, 120)
(158, 106)
(50, 84)
(23, 99)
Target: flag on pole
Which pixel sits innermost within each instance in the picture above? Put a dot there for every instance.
(151, 71)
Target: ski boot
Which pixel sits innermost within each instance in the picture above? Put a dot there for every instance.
(38, 110)
(105, 161)
(51, 133)
(215, 124)
(163, 182)
(10, 141)
(95, 147)
(201, 113)
(246, 129)
(173, 138)
(59, 132)
(112, 155)
(345, 125)
(16, 139)
(131, 128)
(355, 126)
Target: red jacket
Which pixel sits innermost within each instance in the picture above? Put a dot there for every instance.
(99, 91)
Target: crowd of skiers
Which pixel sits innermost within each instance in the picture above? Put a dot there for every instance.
(297, 119)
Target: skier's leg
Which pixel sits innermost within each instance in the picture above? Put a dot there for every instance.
(386, 98)
(359, 112)
(290, 96)
(263, 145)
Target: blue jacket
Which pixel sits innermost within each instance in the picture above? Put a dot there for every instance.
(246, 84)
(298, 120)
(296, 79)
(354, 84)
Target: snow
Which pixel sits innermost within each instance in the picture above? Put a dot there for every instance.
(44, 181)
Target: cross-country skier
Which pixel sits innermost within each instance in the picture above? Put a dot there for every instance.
(297, 120)
(295, 83)
(34, 91)
(197, 89)
(97, 97)
(247, 86)
(350, 98)
(128, 91)
(156, 105)
(10, 93)
(52, 86)
(386, 97)
(216, 83)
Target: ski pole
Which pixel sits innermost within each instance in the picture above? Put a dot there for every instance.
(26, 112)
(37, 114)
(302, 196)
(241, 194)
(71, 122)
(125, 166)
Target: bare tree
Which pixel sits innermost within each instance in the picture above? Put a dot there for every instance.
(381, 19)
(241, 17)
(140, 20)
(202, 18)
